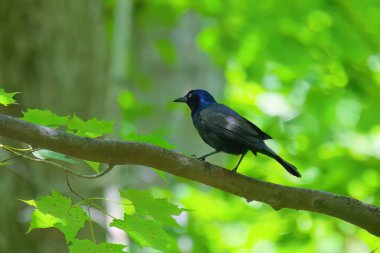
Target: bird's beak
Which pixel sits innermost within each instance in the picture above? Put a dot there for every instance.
(181, 100)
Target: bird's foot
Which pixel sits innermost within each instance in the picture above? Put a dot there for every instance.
(234, 170)
(201, 158)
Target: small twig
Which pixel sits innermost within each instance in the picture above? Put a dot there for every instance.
(101, 209)
(67, 172)
(65, 169)
(72, 190)
(12, 150)
(91, 226)
(17, 149)
(100, 174)
(109, 200)
(87, 202)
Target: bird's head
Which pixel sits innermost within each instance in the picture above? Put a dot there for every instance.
(197, 99)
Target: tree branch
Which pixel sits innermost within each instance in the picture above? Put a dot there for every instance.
(120, 152)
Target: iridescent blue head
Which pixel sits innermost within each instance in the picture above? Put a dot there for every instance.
(197, 100)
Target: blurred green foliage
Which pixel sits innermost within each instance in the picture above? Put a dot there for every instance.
(309, 74)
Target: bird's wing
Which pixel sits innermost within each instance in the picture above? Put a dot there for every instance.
(227, 124)
(262, 134)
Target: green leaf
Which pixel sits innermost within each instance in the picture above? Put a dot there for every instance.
(31, 202)
(93, 165)
(157, 208)
(80, 246)
(48, 154)
(7, 98)
(152, 139)
(42, 220)
(56, 211)
(92, 128)
(145, 233)
(44, 117)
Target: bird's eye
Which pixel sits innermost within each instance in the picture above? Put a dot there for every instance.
(189, 95)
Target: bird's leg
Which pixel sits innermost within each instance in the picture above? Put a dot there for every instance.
(203, 158)
(241, 158)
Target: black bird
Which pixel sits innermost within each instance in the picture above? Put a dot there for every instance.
(226, 131)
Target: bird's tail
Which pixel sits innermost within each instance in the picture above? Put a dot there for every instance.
(289, 167)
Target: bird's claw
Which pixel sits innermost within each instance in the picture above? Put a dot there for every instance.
(203, 159)
(234, 170)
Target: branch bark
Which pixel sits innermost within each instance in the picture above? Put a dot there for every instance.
(120, 152)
